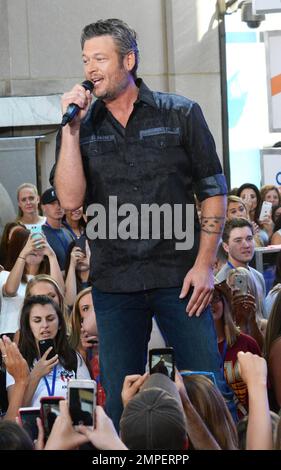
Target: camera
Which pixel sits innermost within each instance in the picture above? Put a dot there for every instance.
(247, 15)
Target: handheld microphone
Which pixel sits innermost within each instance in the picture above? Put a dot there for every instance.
(73, 109)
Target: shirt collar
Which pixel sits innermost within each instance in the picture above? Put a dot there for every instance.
(145, 94)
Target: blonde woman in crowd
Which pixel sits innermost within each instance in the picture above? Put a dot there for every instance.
(271, 194)
(28, 202)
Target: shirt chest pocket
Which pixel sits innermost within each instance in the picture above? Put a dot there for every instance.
(163, 151)
(161, 141)
(96, 148)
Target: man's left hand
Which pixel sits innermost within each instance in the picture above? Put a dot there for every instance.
(202, 279)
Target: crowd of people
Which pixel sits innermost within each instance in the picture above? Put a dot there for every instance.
(100, 301)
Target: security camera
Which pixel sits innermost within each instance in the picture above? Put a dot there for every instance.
(247, 15)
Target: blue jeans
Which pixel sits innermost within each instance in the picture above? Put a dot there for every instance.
(124, 324)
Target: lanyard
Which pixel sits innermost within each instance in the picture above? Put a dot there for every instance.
(75, 237)
(230, 265)
(51, 392)
(63, 240)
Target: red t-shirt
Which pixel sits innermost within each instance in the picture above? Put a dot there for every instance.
(231, 371)
(95, 374)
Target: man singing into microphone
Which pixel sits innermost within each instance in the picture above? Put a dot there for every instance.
(140, 148)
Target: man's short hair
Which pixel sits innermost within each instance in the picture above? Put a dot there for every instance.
(235, 223)
(154, 417)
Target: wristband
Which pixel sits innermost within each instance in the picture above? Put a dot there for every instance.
(21, 258)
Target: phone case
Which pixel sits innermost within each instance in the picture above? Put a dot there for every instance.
(265, 209)
(45, 344)
(240, 283)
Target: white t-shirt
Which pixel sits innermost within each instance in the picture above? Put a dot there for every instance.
(61, 381)
(10, 307)
(36, 227)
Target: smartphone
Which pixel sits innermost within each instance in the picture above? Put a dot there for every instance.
(49, 410)
(240, 284)
(36, 229)
(45, 344)
(162, 360)
(27, 417)
(266, 210)
(37, 235)
(210, 375)
(82, 401)
(81, 243)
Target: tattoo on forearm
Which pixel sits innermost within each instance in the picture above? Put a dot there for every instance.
(212, 225)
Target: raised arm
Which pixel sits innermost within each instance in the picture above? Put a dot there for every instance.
(70, 281)
(198, 432)
(41, 368)
(10, 289)
(69, 167)
(17, 366)
(253, 371)
(55, 271)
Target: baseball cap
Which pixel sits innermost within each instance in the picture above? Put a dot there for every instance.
(49, 196)
(154, 417)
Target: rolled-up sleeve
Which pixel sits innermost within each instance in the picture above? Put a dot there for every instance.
(210, 186)
(207, 176)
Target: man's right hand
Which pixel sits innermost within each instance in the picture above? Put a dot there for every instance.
(78, 95)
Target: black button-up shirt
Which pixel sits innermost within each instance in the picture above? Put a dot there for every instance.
(165, 154)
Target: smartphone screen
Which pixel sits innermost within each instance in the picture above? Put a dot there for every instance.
(81, 405)
(28, 419)
(50, 409)
(45, 344)
(162, 361)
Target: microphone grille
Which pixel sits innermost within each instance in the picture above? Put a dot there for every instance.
(88, 85)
